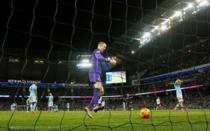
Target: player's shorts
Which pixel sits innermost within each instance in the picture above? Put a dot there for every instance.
(158, 105)
(94, 77)
(33, 99)
(180, 98)
(50, 104)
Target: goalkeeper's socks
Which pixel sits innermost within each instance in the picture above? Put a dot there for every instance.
(95, 99)
(100, 100)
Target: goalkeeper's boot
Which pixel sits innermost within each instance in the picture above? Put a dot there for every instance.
(87, 110)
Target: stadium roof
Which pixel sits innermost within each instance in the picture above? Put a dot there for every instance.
(42, 39)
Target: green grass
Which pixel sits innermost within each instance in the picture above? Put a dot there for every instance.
(163, 120)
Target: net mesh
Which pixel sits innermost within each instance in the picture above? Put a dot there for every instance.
(155, 41)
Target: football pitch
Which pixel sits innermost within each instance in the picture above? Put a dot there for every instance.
(161, 120)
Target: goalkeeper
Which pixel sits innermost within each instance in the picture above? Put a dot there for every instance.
(95, 72)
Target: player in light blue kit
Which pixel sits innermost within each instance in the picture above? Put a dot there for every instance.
(33, 97)
(177, 86)
(28, 104)
(50, 102)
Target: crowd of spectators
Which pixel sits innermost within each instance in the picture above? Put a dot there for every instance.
(193, 99)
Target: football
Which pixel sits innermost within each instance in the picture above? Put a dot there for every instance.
(144, 113)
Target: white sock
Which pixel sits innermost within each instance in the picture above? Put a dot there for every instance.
(177, 105)
(27, 107)
(31, 107)
(34, 106)
(103, 103)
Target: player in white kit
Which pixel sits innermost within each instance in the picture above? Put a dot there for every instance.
(158, 103)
